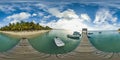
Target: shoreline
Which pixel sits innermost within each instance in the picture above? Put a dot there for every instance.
(26, 34)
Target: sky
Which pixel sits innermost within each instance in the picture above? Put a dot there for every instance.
(63, 14)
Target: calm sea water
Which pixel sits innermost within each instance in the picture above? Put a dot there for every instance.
(107, 41)
(45, 42)
(7, 42)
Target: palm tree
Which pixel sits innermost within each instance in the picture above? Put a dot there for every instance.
(24, 26)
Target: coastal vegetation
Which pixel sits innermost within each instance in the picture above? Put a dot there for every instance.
(119, 29)
(24, 26)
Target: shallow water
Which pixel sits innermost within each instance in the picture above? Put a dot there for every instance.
(45, 43)
(107, 41)
(7, 42)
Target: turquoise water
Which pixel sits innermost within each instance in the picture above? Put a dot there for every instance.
(7, 42)
(107, 41)
(45, 42)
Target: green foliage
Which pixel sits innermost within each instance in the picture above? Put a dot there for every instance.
(118, 29)
(24, 26)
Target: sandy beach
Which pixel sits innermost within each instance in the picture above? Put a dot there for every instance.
(26, 34)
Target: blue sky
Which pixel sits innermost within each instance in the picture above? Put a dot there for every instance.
(63, 14)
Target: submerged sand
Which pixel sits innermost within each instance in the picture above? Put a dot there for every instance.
(26, 34)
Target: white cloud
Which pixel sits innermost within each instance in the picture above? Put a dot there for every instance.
(103, 16)
(105, 20)
(17, 17)
(55, 12)
(68, 20)
(34, 21)
(7, 8)
(106, 27)
(85, 17)
(1, 25)
(41, 5)
(45, 18)
(34, 14)
(107, 4)
(40, 14)
(68, 14)
(11, 7)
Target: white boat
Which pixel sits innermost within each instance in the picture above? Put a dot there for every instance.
(59, 42)
(75, 35)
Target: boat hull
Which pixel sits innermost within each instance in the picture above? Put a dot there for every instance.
(59, 42)
(73, 36)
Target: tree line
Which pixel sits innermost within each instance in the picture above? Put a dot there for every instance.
(119, 29)
(24, 26)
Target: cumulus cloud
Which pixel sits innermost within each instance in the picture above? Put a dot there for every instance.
(68, 19)
(17, 17)
(85, 17)
(103, 16)
(34, 14)
(55, 12)
(104, 19)
(68, 14)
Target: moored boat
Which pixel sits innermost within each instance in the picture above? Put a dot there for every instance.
(59, 42)
(73, 36)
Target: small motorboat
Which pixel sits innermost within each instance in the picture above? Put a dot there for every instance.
(75, 35)
(59, 42)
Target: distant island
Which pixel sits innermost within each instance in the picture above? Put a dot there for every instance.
(24, 26)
